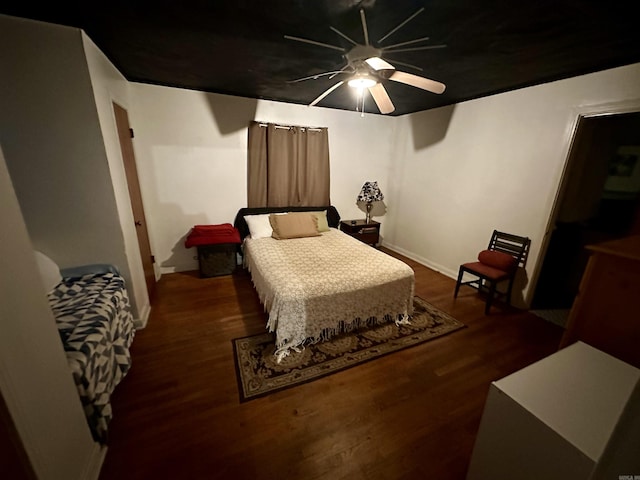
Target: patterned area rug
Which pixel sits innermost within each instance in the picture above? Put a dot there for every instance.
(259, 374)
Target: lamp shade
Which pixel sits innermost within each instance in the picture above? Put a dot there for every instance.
(370, 193)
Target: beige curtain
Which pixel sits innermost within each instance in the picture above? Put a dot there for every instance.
(287, 166)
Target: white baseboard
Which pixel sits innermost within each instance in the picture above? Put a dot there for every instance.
(164, 270)
(185, 267)
(141, 322)
(424, 261)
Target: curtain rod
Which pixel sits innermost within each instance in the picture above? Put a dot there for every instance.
(289, 127)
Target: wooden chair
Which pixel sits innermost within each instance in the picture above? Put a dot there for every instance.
(498, 263)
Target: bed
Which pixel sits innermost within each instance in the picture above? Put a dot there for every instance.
(93, 315)
(317, 286)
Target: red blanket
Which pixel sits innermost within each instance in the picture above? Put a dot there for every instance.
(212, 234)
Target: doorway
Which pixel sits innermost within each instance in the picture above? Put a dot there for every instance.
(599, 201)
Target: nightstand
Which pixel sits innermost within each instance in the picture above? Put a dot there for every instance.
(363, 231)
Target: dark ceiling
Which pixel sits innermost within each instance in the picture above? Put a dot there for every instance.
(239, 47)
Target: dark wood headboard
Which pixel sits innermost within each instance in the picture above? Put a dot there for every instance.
(333, 217)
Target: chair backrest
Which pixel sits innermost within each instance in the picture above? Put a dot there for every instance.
(514, 245)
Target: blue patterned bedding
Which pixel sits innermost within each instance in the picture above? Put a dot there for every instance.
(95, 323)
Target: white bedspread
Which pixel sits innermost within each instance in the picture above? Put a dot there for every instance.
(316, 287)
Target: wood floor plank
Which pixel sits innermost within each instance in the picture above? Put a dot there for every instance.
(410, 414)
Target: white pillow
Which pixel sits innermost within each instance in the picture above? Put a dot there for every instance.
(49, 271)
(259, 225)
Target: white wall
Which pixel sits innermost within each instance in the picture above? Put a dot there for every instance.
(450, 175)
(35, 381)
(54, 148)
(494, 162)
(191, 149)
(110, 86)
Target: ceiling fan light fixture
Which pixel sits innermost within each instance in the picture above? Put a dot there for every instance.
(362, 81)
(368, 71)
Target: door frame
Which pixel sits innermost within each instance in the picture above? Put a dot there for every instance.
(571, 134)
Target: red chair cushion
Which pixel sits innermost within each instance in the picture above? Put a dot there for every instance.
(499, 260)
(485, 271)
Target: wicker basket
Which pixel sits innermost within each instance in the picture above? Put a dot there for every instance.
(218, 259)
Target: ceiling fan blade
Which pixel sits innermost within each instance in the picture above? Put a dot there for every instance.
(401, 44)
(313, 42)
(419, 82)
(325, 93)
(343, 35)
(365, 30)
(317, 75)
(415, 49)
(381, 97)
(379, 64)
(420, 69)
(401, 25)
(345, 69)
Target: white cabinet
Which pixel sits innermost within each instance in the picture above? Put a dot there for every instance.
(554, 418)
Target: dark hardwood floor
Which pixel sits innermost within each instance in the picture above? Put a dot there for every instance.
(413, 414)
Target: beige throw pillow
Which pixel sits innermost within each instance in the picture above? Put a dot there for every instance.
(294, 225)
(323, 223)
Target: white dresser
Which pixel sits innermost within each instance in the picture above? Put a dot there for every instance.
(555, 419)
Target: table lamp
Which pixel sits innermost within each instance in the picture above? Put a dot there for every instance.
(370, 193)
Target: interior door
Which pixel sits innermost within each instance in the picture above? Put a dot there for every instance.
(126, 145)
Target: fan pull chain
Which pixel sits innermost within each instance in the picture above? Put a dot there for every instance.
(360, 101)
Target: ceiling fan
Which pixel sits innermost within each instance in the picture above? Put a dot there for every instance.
(368, 66)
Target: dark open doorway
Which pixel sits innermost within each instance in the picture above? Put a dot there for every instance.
(599, 201)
